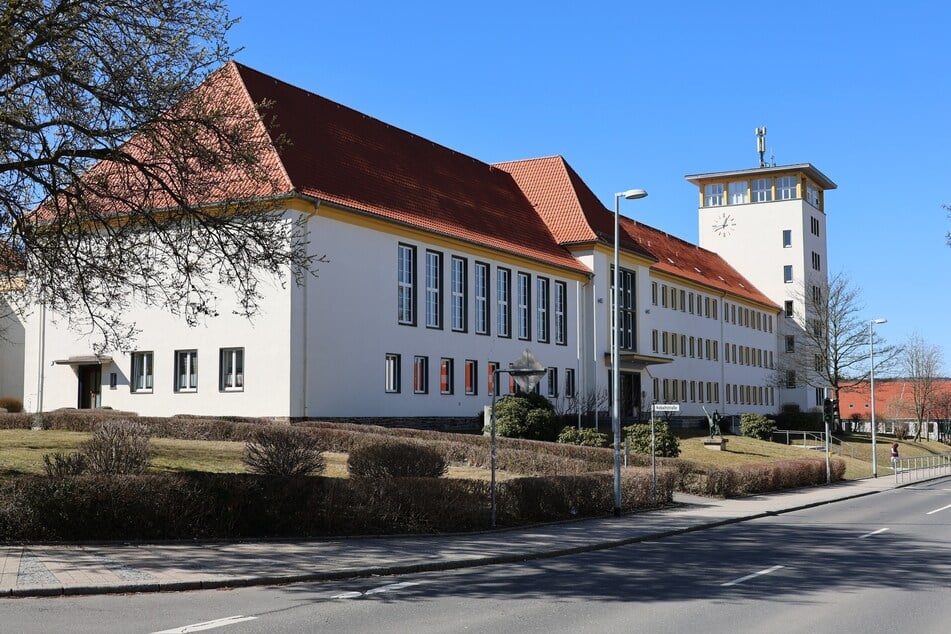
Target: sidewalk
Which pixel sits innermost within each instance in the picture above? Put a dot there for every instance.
(57, 569)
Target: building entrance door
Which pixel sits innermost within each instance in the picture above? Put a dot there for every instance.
(90, 386)
(630, 394)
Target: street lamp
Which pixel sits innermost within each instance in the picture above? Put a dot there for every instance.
(871, 382)
(630, 194)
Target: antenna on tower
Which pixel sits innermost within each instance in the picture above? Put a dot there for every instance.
(761, 145)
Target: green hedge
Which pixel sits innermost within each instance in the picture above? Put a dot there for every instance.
(231, 506)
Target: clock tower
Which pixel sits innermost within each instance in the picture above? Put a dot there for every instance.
(769, 224)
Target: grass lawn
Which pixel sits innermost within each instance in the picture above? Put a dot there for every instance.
(21, 452)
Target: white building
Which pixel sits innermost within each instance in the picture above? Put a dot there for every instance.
(440, 269)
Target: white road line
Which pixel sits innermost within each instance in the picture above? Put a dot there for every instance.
(943, 508)
(881, 530)
(208, 625)
(387, 588)
(752, 576)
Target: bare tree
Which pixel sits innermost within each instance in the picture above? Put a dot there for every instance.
(120, 181)
(832, 348)
(921, 363)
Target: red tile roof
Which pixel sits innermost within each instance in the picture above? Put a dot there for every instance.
(894, 399)
(575, 214)
(344, 157)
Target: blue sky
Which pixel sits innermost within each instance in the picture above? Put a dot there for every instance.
(639, 94)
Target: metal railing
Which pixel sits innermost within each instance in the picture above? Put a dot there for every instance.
(810, 439)
(921, 467)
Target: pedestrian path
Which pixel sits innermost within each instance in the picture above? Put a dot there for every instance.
(57, 569)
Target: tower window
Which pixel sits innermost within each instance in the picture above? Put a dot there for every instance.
(762, 190)
(786, 187)
(713, 195)
(739, 193)
(787, 238)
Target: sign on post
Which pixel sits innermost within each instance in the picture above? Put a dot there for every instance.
(666, 407)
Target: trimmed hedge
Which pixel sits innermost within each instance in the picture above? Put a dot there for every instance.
(396, 459)
(230, 506)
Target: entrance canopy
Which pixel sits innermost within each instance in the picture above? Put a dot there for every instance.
(85, 359)
(636, 361)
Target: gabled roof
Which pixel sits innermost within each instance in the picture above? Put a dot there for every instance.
(344, 157)
(575, 215)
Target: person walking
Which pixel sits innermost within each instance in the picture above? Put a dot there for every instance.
(894, 454)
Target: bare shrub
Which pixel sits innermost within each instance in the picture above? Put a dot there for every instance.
(13, 405)
(282, 451)
(389, 459)
(60, 464)
(901, 431)
(118, 447)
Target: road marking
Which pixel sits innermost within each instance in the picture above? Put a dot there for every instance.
(943, 508)
(881, 530)
(208, 625)
(752, 576)
(386, 588)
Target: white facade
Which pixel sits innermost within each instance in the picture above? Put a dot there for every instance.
(320, 349)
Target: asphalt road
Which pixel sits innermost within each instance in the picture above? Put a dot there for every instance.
(880, 563)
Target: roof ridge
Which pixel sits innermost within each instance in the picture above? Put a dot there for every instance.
(362, 114)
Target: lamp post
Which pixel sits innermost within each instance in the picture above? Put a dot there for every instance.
(630, 194)
(871, 382)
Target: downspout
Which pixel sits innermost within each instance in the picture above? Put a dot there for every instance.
(41, 362)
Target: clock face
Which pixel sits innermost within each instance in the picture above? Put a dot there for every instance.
(724, 225)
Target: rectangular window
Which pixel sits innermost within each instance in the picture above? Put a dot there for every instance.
(446, 376)
(231, 369)
(786, 187)
(814, 226)
(460, 286)
(141, 380)
(569, 383)
(420, 375)
(186, 370)
(663, 295)
(788, 311)
(626, 308)
(739, 193)
(674, 350)
(762, 190)
(503, 294)
(713, 195)
(561, 313)
(654, 340)
(523, 299)
(481, 298)
(790, 379)
(406, 284)
(816, 261)
(816, 296)
(663, 341)
(392, 369)
(653, 293)
(673, 298)
(542, 323)
(812, 196)
(472, 376)
(552, 382)
(787, 238)
(713, 305)
(492, 385)
(787, 274)
(790, 343)
(433, 289)
(690, 302)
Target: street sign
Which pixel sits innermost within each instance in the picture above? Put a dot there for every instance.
(666, 407)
